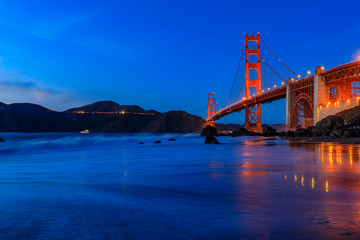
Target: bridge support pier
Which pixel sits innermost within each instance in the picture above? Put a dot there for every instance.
(288, 104)
(304, 99)
(321, 93)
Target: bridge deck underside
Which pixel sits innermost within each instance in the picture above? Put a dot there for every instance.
(263, 98)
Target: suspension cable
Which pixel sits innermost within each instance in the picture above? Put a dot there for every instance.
(237, 70)
(277, 57)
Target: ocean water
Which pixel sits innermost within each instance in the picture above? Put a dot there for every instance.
(108, 186)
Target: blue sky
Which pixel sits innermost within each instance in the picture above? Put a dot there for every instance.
(163, 55)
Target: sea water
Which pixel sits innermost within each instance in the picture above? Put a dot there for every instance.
(108, 186)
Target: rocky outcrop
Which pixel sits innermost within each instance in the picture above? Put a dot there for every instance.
(328, 125)
(289, 134)
(211, 140)
(2, 140)
(269, 132)
(301, 132)
(208, 131)
(240, 132)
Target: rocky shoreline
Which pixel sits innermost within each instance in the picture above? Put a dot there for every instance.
(331, 128)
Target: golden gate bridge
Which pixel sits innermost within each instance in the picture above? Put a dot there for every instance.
(266, 78)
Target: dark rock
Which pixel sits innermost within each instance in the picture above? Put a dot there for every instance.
(337, 132)
(326, 125)
(346, 233)
(310, 130)
(290, 134)
(171, 139)
(157, 142)
(240, 132)
(211, 140)
(282, 133)
(349, 133)
(269, 132)
(301, 132)
(2, 140)
(141, 142)
(208, 131)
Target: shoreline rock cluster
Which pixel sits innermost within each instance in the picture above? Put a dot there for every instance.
(332, 126)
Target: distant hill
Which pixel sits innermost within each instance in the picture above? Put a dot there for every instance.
(107, 106)
(104, 116)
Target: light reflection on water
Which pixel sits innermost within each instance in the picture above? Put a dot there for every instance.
(107, 186)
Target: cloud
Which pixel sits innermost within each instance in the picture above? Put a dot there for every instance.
(356, 55)
(19, 88)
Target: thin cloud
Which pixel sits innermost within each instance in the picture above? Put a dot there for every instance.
(21, 89)
(356, 55)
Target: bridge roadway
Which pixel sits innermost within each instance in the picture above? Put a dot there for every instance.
(350, 72)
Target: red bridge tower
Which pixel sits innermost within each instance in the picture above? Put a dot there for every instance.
(252, 62)
(211, 108)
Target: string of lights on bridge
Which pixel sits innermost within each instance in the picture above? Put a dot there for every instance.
(263, 91)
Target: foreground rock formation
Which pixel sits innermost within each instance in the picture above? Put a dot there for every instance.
(209, 132)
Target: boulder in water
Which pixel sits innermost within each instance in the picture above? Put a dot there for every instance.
(2, 140)
(157, 142)
(211, 140)
(171, 139)
(208, 131)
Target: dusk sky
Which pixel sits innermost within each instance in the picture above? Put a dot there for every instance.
(162, 55)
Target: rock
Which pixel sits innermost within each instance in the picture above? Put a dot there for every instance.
(208, 131)
(337, 132)
(301, 132)
(349, 133)
(326, 125)
(310, 130)
(282, 133)
(157, 142)
(171, 139)
(240, 132)
(2, 140)
(290, 134)
(141, 142)
(269, 132)
(211, 140)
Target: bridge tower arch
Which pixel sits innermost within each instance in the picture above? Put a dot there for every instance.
(252, 113)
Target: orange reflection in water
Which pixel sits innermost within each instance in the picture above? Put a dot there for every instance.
(337, 165)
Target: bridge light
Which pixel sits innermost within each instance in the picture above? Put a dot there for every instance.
(308, 72)
(348, 100)
(262, 91)
(298, 76)
(268, 89)
(274, 86)
(282, 83)
(322, 68)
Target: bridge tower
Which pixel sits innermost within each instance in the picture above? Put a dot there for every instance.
(211, 109)
(252, 63)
